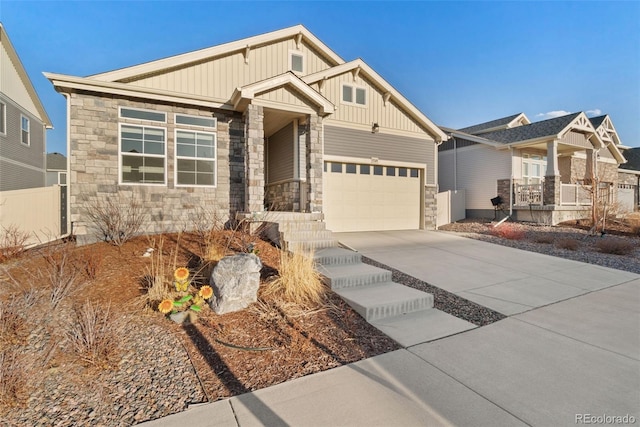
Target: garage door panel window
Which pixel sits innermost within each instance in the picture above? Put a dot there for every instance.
(377, 170)
(336, 167)
(351, 168)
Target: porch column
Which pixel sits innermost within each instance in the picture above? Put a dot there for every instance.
(552, 182)
(254, 159)
(314, 164)
(590, 171)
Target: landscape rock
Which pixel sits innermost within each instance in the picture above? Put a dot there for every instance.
(235, 281)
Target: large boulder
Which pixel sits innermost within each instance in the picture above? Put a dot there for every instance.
(235, 281)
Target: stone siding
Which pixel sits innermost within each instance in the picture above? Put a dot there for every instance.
(314, 162)
(93, 157)
(254, 159)
(504, 191)
(430, 208)
(283, 196)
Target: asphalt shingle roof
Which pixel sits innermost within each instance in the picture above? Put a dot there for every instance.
(488, 125)
(597, 121)
(633, 159)
(541, 129)
(56, 161)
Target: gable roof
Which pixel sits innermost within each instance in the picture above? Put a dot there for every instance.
(633, 159)
(390, 93)
(24, 77)
(545, 128)
(502, 123)
(597, 121)
(298, 31)
(56, 161)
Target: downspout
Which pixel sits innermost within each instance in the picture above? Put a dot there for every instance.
(455, 164)
(511, 184)
(68, 183)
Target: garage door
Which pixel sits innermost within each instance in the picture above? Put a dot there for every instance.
(360, 197)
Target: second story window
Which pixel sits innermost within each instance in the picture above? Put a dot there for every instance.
(24, 130)
(354, 95)
(3, 118)
(296, 61)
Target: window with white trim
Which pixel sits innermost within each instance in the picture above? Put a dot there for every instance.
(3, 118)
(533, 168)
(195, 158)
(296, 61)
(25, 130)
(142, 154)
(354, 95)
(138, 114)
(204, 122)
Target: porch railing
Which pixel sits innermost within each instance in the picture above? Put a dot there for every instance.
(528, 194)
(580, 195)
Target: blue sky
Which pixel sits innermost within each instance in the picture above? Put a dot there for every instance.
(461, 63)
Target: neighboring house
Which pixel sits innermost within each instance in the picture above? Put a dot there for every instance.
(629, 181)
(23, 124)
(273, 122)
(56, 169)
(542, 171)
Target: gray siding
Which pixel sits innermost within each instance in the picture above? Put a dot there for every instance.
(280, 159)
(449, 145)
(356, 143)
(21, 166)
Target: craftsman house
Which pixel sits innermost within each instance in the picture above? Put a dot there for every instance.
(275, 122)
(542, 171)
(23, 124)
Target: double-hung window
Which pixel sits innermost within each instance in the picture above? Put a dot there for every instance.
(195, 158)
(354, 95)
(143, 154)
(24, 130)
(143, 148)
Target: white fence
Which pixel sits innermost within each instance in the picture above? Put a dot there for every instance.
(451, 207)
(36, 211)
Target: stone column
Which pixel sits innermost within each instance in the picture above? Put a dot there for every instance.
(254, 159)
(314, 164)
(551, 190)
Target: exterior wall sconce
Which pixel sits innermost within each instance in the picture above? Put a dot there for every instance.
(375, 128)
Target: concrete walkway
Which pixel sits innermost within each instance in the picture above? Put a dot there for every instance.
(570, 356)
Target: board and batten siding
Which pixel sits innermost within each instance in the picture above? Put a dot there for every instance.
(345, 142)
(576, 139)
(280, 154)
(387, 116)
(220, 76)
(478, 170)
(285, 95)
(12, 85)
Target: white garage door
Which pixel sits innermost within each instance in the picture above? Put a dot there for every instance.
(371, 197)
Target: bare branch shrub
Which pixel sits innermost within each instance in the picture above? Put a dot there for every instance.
(96, 334)
(13, 377)
(13, 324)
(60, 273)
(615, 246)
(115, 219)
(570, 244)
(12, 242)
(508, 231)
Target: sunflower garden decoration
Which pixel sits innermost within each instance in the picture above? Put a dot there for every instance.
(188, 301)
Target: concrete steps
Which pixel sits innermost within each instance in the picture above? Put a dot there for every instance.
(336, 256)
(351, 275)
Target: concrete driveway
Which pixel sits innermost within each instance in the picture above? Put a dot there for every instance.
(504, 279)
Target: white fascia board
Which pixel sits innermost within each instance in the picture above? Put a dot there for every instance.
(211, 52)
(288, 79)
(508, 125)
(26, 81)
(477, 139)
(61, 81)
(440, 136)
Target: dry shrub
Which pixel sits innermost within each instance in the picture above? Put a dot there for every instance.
(61, 274)
(13, 322)
(508, 231)
(14, 377)
(91, 263)
(12, 242)
(115, 219)
(566, 243)
(96, 333)
(615, 246)
(543, 238)
(298, 281)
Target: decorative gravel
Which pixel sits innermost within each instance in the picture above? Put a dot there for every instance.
(586, 249)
